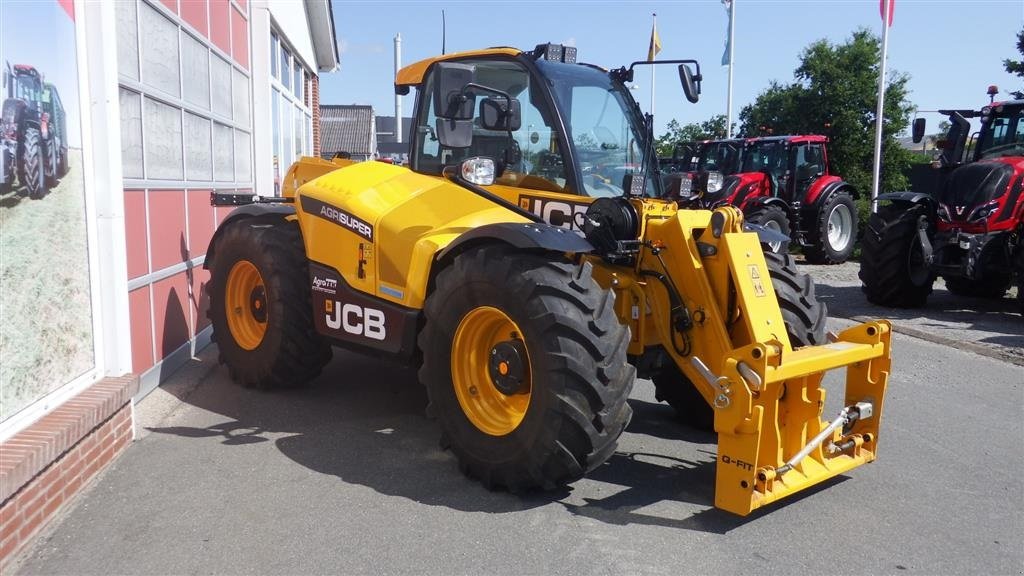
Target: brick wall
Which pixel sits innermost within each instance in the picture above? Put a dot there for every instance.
(44, 466)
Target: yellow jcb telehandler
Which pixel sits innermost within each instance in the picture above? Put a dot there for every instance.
(532, 262)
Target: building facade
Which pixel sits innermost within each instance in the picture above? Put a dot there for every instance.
(114, 135)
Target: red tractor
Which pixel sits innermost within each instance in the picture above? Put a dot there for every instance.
(963, 221)
(783, 183)
(33, 132)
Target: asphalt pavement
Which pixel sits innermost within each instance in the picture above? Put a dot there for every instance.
(346, 477)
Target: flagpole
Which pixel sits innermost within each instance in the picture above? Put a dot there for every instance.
(880, 113)
(655, 15)
(732, 34)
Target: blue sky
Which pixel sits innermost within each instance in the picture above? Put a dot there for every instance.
(52, 53)
(952, 49)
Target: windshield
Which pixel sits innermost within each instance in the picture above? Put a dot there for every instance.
(721, 157)
(604, 126)
(765, 156)
(26, 87)
(1002, 134)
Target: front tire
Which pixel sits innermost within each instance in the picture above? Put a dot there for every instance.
(32, 162)
(834, 232)
(524, 361)
(773, 217)
(260, 306)
(892, 265)
(805, 319)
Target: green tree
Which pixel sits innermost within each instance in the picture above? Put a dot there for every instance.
(834, 92)
(676, 133)
(1017, 66)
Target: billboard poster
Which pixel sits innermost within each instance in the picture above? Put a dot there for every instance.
(46, 329)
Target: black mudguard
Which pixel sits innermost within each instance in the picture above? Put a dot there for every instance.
(278, 211)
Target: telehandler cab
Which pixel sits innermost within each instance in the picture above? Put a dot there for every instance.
(525, 262)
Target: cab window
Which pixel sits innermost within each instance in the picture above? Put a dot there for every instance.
(540, 166)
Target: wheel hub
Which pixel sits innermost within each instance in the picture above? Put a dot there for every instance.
(507, 368)
(258, 304)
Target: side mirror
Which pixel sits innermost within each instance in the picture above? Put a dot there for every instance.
(501, 115)
(918, 130)
(691, 84)
(449, 100)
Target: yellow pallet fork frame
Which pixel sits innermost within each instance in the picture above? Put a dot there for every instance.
(767, 397)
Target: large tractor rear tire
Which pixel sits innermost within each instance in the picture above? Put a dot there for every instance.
(832, 237)
(773, 217)
(524, 361)
(260, 306)
(32, 164)
(892, 265)
(51, 161)
(805, 319)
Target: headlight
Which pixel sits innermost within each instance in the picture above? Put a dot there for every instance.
(478, 170)
(715, 180)
(943, 213)
(982, 213)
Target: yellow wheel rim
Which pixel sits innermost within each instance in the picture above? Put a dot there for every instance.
(483, 332)
(245, 304)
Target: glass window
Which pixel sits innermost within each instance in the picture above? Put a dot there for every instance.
(309, 136)
(198, 155)
(243, 164)
(297, 132)
(127, 39)
(286, 70)
(274, 46)
(196, 69)
(159, 51)
(540, 166)
(131, 133)
(162, 130)
(223, 157)
(298, 80)
(221, 85)
(241, 97)
(275, 123)
(288, 155)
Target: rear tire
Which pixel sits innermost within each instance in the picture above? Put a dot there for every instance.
(986, 288)
(805, 319)
(773, 217)
(570, 408)
(892, 266)
(260, 306)
(51, 160)
(831, 239)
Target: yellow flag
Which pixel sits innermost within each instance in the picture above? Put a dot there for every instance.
(655, 47)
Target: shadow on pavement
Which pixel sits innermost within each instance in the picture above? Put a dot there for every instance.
(363, 422)
(946, 317)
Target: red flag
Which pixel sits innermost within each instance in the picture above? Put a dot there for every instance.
(68, 6)
(881, 9)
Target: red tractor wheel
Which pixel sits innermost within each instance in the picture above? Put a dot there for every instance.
(834, 231)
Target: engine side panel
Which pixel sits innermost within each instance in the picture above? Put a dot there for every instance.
(380, 226)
